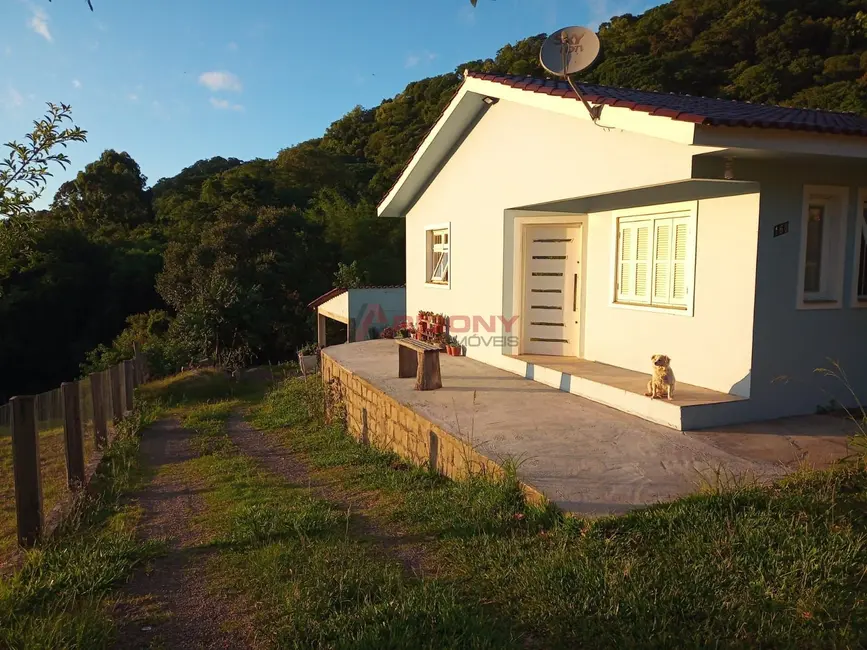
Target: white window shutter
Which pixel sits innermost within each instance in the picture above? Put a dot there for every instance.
(633, 273)
(662, 262)
(642, 262)
(679, 259)
(626, 272)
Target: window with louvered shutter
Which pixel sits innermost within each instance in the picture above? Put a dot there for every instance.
(633, 262)
(653, 261)
(679, 287)
(662, 262)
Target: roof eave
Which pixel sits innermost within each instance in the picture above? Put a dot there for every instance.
(462, 111)
(782, 141)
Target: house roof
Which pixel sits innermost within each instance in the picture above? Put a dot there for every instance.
(691, 121)
(325, 297)
(697, 110)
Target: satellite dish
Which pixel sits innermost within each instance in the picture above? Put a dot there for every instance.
(569, 50)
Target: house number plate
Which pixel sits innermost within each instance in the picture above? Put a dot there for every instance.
(781, 229)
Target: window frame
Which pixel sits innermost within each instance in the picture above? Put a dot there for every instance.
(687, 211)
(856, 301)
(429, 231)
(835, 200)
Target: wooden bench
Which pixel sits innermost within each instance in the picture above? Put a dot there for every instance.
(420, 360)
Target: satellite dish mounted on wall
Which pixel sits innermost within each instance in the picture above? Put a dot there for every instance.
(570, 50)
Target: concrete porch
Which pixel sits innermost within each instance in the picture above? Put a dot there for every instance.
(693, 407)
(585, 456)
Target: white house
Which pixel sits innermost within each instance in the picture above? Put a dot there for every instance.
(729, 236)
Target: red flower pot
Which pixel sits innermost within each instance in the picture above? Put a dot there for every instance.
(454, 350)
(440, 320)
(419, 336)
(439, 328)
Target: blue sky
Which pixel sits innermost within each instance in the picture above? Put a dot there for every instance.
(174, 81)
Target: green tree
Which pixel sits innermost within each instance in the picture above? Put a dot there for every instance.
(240, 289)
(349, 276)
(29, 163)
(108, 198)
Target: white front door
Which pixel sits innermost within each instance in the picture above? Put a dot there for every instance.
(552, 290)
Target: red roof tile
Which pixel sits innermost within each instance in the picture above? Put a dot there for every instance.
(698, 110)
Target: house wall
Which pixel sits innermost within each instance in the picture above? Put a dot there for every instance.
(790, 343)
(711, 348)
(375, 418)
(379, 308)
(517, 156)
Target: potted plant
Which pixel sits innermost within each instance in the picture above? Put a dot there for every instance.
(452, 346)
(440, 319)
(308, 358)
(387, 333)
(421, 315)
(439, 323)
(422, 326)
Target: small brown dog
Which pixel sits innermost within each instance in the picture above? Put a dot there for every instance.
(662, 382)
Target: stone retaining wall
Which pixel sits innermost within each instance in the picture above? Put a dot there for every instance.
(373, 417)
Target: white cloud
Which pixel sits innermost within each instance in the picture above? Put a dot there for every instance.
(12, 98)
(232, 47)
(225, 105)
(76, 83)
(414, 59)
(220, 80)
(132, 97)
(39, 24)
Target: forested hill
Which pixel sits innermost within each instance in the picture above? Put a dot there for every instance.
(221, 259)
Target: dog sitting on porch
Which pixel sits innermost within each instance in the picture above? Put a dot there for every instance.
(661, 382)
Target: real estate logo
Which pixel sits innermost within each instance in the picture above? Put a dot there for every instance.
(471, 330)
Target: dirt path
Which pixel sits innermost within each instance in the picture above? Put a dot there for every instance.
(274, 457)
(170, 605)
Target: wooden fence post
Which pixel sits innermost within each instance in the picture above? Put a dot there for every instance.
(129, 385)
(72, 434)
(100, 428)
(25, 463)
(116, 382)
(139, 365)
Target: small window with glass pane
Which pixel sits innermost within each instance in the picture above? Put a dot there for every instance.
(438, 256)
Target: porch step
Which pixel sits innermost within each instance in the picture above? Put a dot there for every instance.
(693, 407)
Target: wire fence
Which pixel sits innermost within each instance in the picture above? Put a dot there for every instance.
(71, 424)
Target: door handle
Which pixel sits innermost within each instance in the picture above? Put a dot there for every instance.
(575, 293)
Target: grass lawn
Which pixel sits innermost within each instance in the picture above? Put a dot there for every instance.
(780, 566)
(53, 472)
(55, 599)
(744, 567)
(318, 584)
